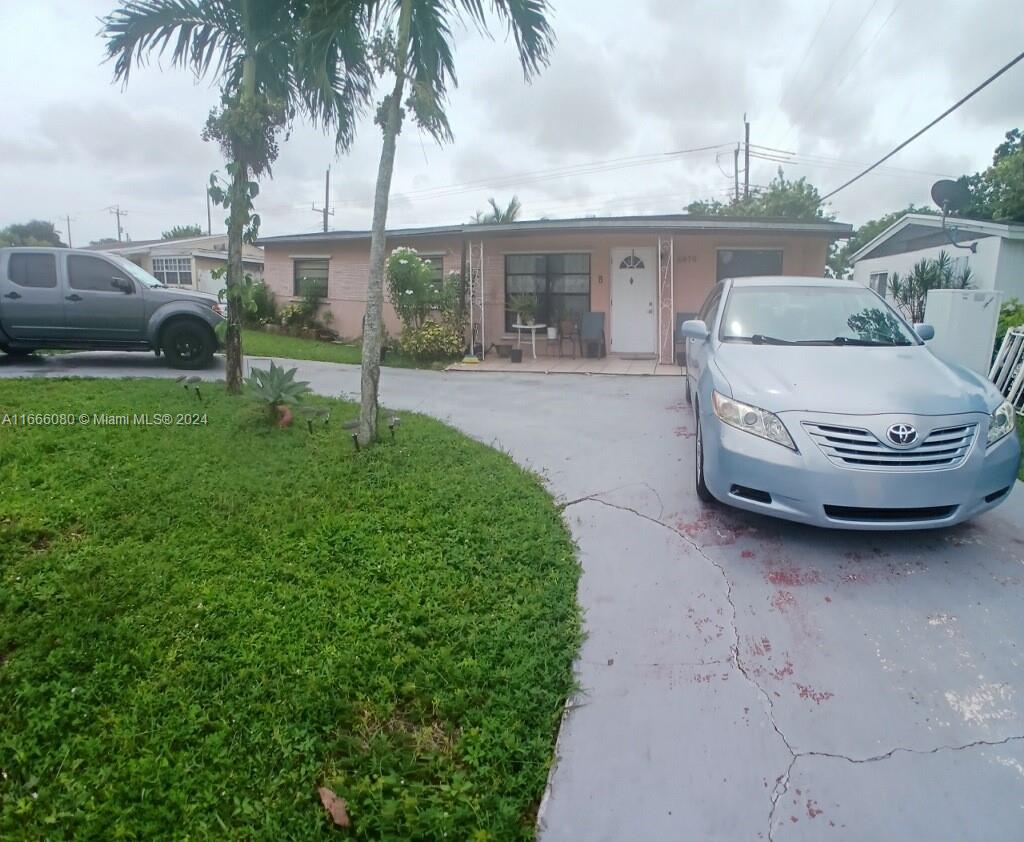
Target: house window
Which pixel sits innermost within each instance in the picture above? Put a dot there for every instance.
(436, 262)
(746, 263)
(879, 282)
(559, 284)
(311, 277)
(173, 271)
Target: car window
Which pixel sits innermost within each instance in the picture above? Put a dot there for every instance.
(812, 315)
(33, 270)
(710, 308)
(93, 273)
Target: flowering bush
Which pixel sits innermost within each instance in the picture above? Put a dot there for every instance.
(414, 293)
(432, 341)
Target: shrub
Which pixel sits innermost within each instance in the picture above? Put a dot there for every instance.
(432, 341)
(304, 314)
(265, 311)
(276, 387)
(1010, 315)
(414, 293)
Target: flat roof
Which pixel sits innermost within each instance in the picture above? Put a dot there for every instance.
(683, 223)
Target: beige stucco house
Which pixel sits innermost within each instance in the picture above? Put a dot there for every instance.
(640, 271)
(189, 262)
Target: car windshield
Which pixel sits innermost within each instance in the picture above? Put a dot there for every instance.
(812, 315)
(137, 272)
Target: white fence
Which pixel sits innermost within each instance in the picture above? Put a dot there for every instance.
(1008, 369)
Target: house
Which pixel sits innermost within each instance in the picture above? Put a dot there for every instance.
(639, 270)
(188, 262)
(997, 264)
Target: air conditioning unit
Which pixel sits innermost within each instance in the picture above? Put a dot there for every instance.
(965, 322)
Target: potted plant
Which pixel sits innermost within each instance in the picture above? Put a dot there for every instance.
(524, 307)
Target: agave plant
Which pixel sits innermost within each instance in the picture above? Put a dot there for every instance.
(277, 388)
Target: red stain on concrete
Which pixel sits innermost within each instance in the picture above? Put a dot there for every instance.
(816, 696)
(760, 647)
(784, 671)
(783, 601)
(748, 554)
(828, 599)
(793, 577)
(794, 819)
(813, 811)
(683, 433)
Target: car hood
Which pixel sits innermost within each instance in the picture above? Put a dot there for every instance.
(851, 380)
(165, 294)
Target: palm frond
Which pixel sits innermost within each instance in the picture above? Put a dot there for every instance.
(198, 34)
(527, 20)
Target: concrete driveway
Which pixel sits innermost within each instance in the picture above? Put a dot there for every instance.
(742, 678)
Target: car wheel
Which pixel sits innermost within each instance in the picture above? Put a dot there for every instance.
(188, 344)
(703, 493)
(18, 352)
(689, 397)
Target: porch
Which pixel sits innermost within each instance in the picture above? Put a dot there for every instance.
(567, 365)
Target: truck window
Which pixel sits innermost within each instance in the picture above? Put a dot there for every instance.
(33, 270)
(92, 273)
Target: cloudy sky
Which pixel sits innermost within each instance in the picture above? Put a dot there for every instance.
(826, 85)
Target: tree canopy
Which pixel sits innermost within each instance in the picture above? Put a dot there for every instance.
(35, 232)
(181, 232)
(782, 198)
(998, 192)
(498, 214)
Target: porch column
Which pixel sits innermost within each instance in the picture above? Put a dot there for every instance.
(666, 300)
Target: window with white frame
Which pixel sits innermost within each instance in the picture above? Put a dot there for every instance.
(173, 271)
(879, 282)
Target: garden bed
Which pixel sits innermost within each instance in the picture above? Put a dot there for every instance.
(200, 625)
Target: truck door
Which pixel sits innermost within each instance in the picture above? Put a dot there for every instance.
(31, 300)
(101, 303)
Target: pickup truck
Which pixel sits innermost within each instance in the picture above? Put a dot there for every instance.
(77, 299)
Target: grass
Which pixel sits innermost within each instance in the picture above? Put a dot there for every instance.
(262, 344)
(199, 625)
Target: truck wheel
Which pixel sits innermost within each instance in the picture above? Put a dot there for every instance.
(188, 344)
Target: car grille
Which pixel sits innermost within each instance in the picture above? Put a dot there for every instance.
(852, 447)
(882, 515)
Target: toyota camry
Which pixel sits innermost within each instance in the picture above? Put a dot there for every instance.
(815, 401)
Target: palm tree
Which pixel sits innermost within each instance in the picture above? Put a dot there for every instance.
(272, 65)
(910, 291)
(497, 215)
(414, 40)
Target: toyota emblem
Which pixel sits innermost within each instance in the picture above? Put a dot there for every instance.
(902, 435)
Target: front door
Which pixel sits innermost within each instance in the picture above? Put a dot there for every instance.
(634, 288)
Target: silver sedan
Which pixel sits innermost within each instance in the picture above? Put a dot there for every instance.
(816, 402)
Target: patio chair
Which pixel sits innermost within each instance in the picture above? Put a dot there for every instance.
(569, 331)
(592, 335)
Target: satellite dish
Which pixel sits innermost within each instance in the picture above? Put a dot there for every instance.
(950, 195)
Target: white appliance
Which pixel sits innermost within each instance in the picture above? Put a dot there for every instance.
(965, 323)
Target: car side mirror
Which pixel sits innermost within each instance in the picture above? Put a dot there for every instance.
(926, 332)
(122, 284)
(694, 329)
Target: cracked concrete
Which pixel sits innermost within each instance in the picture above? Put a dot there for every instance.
(742, 678)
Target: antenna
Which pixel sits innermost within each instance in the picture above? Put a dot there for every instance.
(952, 196)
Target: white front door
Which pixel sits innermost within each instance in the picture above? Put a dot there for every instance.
(634, 289)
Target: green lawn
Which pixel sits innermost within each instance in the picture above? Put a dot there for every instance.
(262, 344)
(201, 625)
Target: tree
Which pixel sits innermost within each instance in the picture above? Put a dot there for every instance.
(103, 242)
(181, 232)
(414, 43)
(498, 215)
(998, 192)
(910, 292)
(272, 65)
(36, 232)
(782, 199)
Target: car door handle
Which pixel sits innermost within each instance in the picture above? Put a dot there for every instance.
(73, 297)
(12, 295)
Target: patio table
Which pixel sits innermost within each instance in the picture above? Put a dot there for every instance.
(533, 335)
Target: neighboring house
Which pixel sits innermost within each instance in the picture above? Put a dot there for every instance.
(998, 263)
(640, 270)
(188, 262)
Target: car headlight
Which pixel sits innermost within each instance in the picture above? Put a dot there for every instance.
(751, 419)
(1001, 423)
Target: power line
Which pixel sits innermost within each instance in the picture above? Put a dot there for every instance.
(920, 132)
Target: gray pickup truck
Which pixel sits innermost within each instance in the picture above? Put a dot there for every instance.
(86, 300)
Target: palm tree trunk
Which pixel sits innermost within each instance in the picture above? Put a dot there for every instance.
(236, 225)
(373, 321)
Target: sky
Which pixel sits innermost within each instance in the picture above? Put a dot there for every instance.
(826, 86)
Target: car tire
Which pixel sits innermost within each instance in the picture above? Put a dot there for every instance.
(689, 396)
(703, 493)
(188, 343)
(18, 352)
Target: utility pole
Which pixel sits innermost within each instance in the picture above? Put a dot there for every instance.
(736, 173)
(209, 223)
(746, 157)
(116, 211)
(68, 220)
(326, 211)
